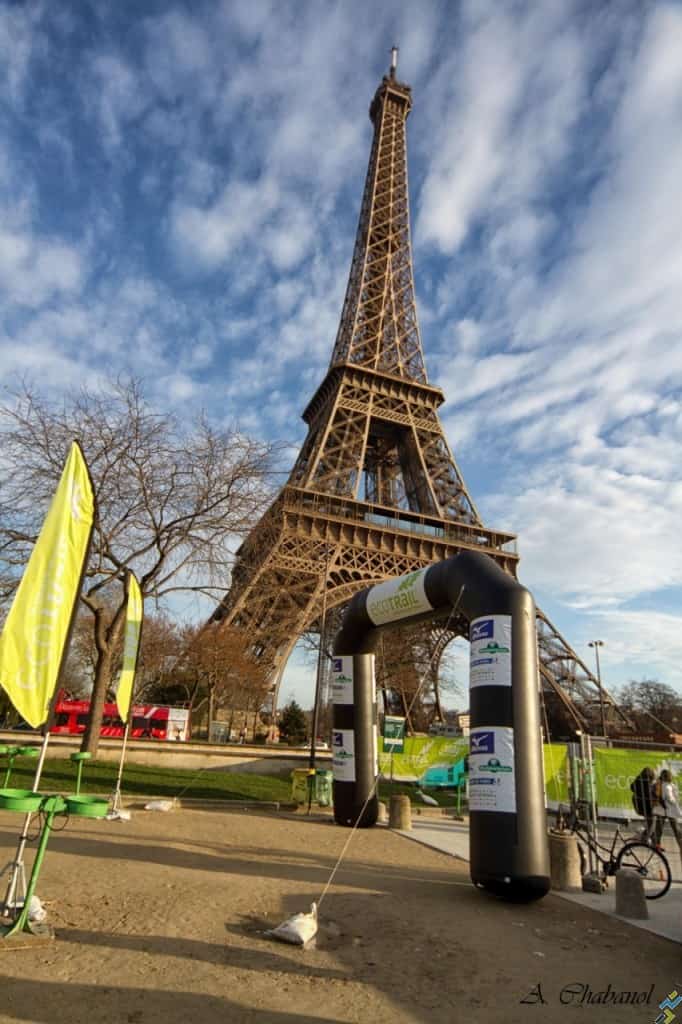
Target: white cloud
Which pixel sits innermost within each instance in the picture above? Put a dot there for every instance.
(179, 56)
(641, 644)
(19, 37)
(624, 259)
(505, 105)
(489, 83)
(178, 387)
(32, 269)
(592, 535)
(118, 95)
(211, 233)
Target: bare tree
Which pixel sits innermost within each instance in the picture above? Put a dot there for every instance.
(161, 649)
(228, 675)
(170, 501)
(653, 706)
(79, 669)
(413, 672)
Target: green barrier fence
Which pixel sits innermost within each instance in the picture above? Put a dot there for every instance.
(429, 760)
(614, 770)
(557, 774)
(438, 761)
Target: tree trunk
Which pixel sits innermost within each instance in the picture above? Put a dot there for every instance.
(105, 640)
(97, 700)
(439, 717)
(406, 714)
(211, 702)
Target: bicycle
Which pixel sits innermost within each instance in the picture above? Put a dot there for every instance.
(638, 855)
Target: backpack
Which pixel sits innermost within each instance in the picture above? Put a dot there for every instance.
(638, 802)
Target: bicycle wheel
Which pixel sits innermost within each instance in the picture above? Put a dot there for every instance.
(649, 864)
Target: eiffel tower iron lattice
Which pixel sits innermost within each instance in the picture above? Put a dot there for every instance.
(375, 491)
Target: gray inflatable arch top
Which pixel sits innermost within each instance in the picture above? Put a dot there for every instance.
(508, 836)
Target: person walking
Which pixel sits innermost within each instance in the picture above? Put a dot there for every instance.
(666, 807)
(642, 800)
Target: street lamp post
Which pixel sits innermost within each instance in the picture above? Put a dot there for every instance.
(596, 644)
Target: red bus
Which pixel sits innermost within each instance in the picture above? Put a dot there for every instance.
(149, 721)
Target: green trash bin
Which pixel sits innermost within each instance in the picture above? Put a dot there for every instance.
(323, 787)
(299, 785)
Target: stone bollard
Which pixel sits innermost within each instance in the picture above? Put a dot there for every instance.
(400, 812)
(564, 860)
(382, 813)
(630, 898)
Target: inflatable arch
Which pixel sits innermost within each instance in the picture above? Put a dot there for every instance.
(508, 838)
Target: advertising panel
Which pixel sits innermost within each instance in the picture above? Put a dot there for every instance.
(398, 598)
(492, 784)
(343, 755)
(424, 758)
(614, 770)
(490, 651)
(440, 761)
(394, 734)
(342, 680)
(555, 759)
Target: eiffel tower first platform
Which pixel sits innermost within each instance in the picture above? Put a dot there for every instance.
(375, 491)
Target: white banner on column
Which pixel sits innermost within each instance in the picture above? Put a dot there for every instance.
(492, 783)
(490, 651)
(342, 680)
(343, 755)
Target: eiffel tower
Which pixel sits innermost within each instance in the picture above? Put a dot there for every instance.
(375, 491)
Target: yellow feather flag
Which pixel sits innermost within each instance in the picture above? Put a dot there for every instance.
(35, 636)
(131, 647)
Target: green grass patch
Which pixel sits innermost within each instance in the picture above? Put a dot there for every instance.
(59, 776)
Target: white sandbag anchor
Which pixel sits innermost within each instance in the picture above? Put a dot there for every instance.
(298, 930)
(160, 805)
(118, 815)
(36, 910)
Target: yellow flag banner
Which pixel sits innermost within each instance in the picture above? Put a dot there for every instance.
(36, 631)
(131, 647)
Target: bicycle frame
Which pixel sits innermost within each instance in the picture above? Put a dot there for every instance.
(637, 854)
(605, 856)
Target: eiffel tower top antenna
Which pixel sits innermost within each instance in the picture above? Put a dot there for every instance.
(394, 61)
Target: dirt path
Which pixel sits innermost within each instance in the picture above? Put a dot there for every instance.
(160, 919)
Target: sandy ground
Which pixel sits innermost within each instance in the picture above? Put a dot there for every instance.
(161, 919)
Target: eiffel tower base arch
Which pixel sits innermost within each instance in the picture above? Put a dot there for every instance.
(509, 854)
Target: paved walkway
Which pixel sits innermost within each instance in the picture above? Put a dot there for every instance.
(665, 915)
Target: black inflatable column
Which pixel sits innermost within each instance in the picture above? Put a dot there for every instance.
(507, 830)
(354, 740)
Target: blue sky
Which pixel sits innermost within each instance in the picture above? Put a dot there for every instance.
(179, 192)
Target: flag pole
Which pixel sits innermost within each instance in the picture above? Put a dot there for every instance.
(126, 682)
(116, 798)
